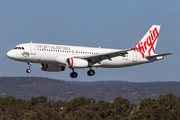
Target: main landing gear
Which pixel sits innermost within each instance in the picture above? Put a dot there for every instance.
(74, 74)
(91, 72)
(29, 70)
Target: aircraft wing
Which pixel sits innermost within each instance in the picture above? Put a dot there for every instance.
(106, 55)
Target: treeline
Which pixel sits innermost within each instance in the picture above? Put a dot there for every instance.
(28, 87)
(82, 108)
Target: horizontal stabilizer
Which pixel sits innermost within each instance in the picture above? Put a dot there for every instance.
(159, 55)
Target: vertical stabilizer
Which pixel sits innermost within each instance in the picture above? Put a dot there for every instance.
(147, 45)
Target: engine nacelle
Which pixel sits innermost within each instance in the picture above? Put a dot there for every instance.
(52, 67)
(77, 63)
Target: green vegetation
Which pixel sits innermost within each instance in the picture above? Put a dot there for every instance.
(138, 101)
(166, 107)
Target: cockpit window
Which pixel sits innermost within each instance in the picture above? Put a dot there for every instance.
(20, 48)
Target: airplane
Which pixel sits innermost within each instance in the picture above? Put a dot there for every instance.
(54, 58)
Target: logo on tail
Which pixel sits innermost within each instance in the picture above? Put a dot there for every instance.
(147, 45)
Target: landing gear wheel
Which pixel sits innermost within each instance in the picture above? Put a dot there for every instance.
(29, 65)
(91, 72)
(73, 74)
(28, 70)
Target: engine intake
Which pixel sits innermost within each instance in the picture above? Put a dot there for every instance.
(77, 63)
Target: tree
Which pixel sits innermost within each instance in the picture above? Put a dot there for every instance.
(36, 100)
(10, 101)
(78, 102)
(146, 102)
(165, 107)
(121, 105)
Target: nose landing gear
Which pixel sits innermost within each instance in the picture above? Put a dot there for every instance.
(29, 70)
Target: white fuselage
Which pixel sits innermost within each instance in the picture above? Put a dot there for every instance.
(49, 53)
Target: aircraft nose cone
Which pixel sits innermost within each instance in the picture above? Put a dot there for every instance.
(10, 54)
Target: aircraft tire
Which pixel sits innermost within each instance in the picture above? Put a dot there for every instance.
(28, 70)
(91, 72)
(73, 74)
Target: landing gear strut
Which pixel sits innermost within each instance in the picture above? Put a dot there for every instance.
(73, 74)
(91, 72)
(29, 70)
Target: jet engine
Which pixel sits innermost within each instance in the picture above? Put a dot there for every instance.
(52, 67)
(77, 63)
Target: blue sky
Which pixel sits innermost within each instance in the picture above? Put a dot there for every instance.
(118, 24)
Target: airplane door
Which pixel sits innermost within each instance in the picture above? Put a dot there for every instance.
(134, 56)
(32, 49)
(74, 52)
